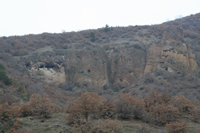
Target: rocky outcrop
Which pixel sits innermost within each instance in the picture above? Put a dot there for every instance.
(87, 68)
(153, 58)
(116, 67)
(49, 73)
(113, 65)
(176, 58)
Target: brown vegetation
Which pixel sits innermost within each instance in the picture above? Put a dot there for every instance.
(107, 126)
(107, 109)
(82, 107)
(125, 105)
(163, 114)
(183, 104)
(198, 131)
(157, 108)
(176, 127)
(37, 106)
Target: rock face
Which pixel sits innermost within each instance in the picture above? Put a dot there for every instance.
(48, 74)
(86, 68)
(102, 68)
(107, 66)
(169, 58)
(116, 66)
(153, 58)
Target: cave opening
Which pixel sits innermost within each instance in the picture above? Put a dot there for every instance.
(49, 65)
(28, 64)
(41, 66)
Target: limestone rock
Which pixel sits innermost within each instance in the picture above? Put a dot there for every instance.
(170, 58)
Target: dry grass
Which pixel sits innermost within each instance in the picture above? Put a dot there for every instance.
(57, 123)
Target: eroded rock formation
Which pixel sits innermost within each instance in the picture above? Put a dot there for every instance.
(169, 58)
(114, 65)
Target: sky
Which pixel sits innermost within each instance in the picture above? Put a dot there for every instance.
(22, 17)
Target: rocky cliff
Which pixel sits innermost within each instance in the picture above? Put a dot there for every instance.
(112, 65)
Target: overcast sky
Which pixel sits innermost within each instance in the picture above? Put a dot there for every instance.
(19, 17)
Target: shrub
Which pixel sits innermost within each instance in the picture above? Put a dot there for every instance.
(108, 126)
(137, 46)
(7, 116)
(3, 76)
(75, 117)
(154, 98)
(8, 112)
(25, 110)
(138, 109)
(38, 106)
(41, 106)
(198, 131)
(183, 104)
(163, 114)
(92, 37)
(107, 28)
(125, 106)
(160, 111)
(176, 127)
(83, 106)
(107, 109)
(84, 127)
(17, 128)
(195, 112)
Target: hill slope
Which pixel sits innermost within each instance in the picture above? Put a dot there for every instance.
(132, 59)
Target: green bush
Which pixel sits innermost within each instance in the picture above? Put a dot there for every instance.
(2, 67)
(92, 37)
(107, 28)
(3, 76)
(137, 46)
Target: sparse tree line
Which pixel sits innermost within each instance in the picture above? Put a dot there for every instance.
(37, 106)
(156, 108)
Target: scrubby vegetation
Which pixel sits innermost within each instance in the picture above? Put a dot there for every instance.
(156, 108)
(104, 87)
(91, 112)
(177, 127)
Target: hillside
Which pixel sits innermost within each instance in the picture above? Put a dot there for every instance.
(132, 59)
(109, 60)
